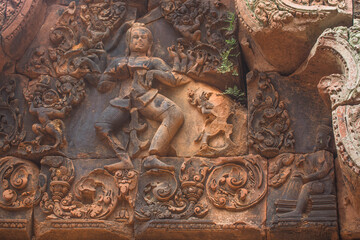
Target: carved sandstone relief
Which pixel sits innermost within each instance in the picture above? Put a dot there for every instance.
(269, 122)
(167, 196)
(202, 55)
(11, 114)
(238, 184)
(217, 137)
(231, 183)
(202, 191)
(19, 184)
(135, 114)
(79, 196)
(308, 178)
(339, 91)
(302, 190)
(50, 100)
(20, 193)
(93, 196)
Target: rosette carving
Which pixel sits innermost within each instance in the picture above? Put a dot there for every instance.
(238, 185)
(19, 183)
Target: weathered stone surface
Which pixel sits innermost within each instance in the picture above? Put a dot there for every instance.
(267, 23)
(338, 90)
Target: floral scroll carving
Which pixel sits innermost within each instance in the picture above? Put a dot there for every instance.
(166, 198)
(237, 185)
(269, 121)
(277, 13)
(94, 196)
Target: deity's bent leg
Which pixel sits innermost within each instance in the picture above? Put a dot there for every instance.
(163, 110)
(112, 118)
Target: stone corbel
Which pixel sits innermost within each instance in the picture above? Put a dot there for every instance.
(270, 23)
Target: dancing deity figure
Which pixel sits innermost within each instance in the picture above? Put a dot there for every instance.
(142, 69)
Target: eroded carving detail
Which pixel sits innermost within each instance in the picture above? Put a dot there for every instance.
(59, 203)
(127, 182)
(269, 14)
(237, 185)
(200, 56)
(97, 196)
(11, 118)
(16, 223)
(308, 181)
(277, 13)
(269, 121)
(339, 3)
